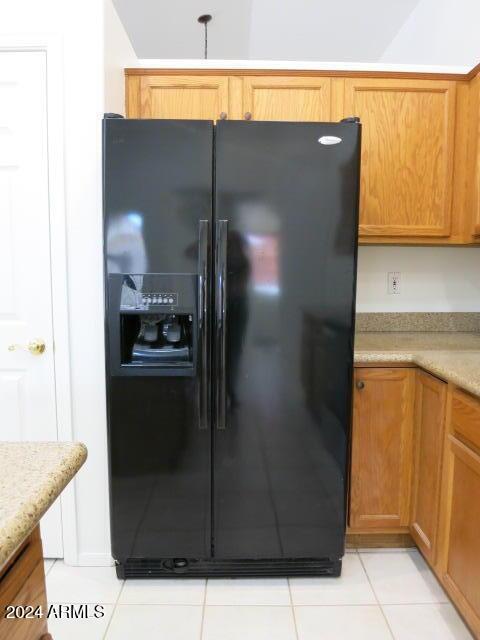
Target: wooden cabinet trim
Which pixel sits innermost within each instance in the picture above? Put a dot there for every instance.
(464, 607)
(427, 458)
(307, 73)
(464, 452)
(466, 418)
(210, 81)
(476, 172)
(132, 97)
(398, 231)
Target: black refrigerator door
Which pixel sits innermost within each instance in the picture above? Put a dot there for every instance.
(158, 223)
(286, 209)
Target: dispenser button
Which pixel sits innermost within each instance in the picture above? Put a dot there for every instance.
(165, 301)
(170, 300)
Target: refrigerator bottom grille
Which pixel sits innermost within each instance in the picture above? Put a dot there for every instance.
(193, 568)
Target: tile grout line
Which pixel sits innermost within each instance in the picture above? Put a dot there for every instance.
(293, 610)
(376, 597)
(114, 609)
(203, 609)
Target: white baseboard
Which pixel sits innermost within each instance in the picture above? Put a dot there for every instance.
(93, 560)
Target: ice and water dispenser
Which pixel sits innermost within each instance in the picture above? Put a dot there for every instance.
(153, 324)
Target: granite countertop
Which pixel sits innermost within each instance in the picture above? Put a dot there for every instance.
(452, 356)
(32, 475)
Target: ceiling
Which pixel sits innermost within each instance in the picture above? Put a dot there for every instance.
(348, 30)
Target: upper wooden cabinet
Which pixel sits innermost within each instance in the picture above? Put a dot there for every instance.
(420, 175)
(286, 98)
(178, 97)
(407, 155)
(381, 448)
(429, 426)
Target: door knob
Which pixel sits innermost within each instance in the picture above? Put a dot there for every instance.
(248, 116)
(36, 347)
(360, 384)
(223, 116)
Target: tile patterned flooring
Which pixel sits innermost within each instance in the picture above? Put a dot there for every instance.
(381, 595)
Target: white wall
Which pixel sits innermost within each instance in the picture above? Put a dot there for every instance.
(432, 279)
(118, 54)
(80, 27)
(438, 32)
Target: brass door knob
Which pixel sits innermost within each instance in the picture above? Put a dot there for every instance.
(248, 116)
(36, 347)
(360, 384)
(223, 116)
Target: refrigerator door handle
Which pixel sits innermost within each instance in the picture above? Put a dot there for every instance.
(221, 320)
(203, 296)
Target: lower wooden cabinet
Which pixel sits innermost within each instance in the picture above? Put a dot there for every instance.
(460, 561)
(415, 466)
(22, 583)
(381, 448)
(429, 428)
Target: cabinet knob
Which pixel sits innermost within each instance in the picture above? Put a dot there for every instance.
(360, 384)
(223, 116)
(248, 116)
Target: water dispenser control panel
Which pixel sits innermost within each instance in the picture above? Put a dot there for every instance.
(164, 298)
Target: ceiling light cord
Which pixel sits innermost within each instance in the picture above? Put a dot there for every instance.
(205, 19)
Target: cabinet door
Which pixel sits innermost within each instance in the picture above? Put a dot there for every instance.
(407, 152)
(429, 425)
(286, 98)
(462, 571)
(381, 448)
(178, 97)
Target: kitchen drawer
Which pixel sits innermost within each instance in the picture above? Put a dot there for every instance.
(466, 418)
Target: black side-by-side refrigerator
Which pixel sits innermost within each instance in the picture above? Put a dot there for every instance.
(230, 270)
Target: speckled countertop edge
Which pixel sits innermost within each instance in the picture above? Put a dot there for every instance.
(456, 363)
(32, 476)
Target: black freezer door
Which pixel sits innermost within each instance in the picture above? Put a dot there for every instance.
(286, 223)
(157, 215)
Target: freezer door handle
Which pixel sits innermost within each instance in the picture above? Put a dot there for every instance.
(221, 321)
(203, 296)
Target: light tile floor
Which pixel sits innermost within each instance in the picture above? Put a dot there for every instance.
(381, 595)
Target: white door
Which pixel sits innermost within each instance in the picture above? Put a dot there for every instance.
(27, 379)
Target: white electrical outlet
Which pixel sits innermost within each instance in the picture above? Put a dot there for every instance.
(393, 282)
